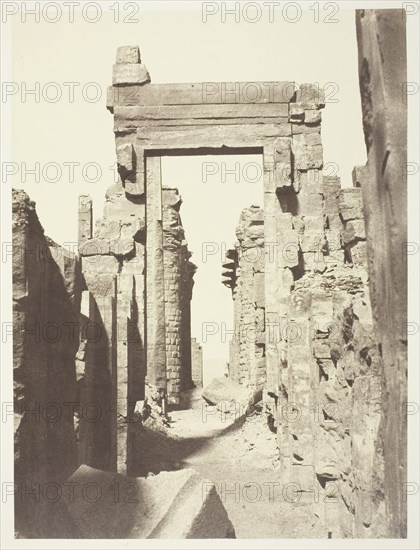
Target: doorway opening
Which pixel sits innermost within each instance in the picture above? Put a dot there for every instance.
(215, 189)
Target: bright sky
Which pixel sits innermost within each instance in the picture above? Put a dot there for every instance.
(176, 46)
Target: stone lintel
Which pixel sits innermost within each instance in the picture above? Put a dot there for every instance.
(198, 93)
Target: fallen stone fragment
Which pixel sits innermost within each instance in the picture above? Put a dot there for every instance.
(173, 505)
(229, 396)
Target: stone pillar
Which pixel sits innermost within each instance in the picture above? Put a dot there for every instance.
(100, 382)
(244, 274)
(97, 425)
(155, 309)
(178, 281)
(197, 362)
(173, 235)
(230, 279)
(124, 409)
(188, 270)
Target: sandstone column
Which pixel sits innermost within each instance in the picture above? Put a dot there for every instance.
(197, 362)
(155, 331)
(244, 274)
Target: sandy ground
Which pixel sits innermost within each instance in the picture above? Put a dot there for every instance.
(241, 459)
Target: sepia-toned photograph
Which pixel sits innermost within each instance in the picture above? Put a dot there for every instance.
(210, 274)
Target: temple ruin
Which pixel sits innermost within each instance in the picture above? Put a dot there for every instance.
(327, 364)
(303, 274)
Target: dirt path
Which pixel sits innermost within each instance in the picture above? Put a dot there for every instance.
(241, 459)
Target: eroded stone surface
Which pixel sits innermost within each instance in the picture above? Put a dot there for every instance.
(381, 38)
(46, 302)
(170, 505)
(317, 356)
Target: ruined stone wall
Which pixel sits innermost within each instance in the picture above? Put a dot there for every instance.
(112, 326)
(244, 274)
(197, 362)
(329, 376)
(46, 299)
(178, 273)
(381, 38)
(112, 369)
(327, 366)
(322, 360)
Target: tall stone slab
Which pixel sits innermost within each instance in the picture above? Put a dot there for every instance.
(381, 39)
(46, 290)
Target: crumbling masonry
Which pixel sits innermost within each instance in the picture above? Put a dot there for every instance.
(329, 367)
(114, 268)
(244, 274)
